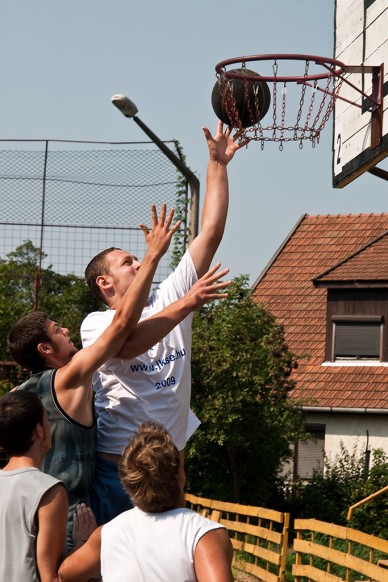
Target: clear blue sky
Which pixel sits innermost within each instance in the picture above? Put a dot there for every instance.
(62, 61)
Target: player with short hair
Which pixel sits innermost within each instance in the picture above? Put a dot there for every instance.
(159, 539)
(33, 505)
(155, 385)
(63, 376)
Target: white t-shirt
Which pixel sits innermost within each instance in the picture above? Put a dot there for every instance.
(154, 386)
(152, 547)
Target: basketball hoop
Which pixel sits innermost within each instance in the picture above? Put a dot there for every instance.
(304, 91)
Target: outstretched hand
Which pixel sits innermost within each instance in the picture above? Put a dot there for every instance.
(159, 237)
(207, 287)
(84, 523)
(223, 145)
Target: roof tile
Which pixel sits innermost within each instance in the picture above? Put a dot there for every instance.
(318, 244)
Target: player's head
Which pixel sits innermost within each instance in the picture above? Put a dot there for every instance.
(110, 273)
(21, 411)
(36, 342)
(150, 470)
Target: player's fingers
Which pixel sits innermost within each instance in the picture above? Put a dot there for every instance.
(81, 513)
(212, 296)
(238, 134)
(207, 134)
(217, 274)
(228, 131)
(169, 217)
(221, 285)
(92, 519)
(154, 215)
(243, 143)
(163, 211)
(175, 227)
(211, 271)
(145, 229)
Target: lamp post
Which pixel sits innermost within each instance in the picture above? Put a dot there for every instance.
(129, 110)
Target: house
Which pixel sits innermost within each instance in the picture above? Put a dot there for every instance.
(328, 285)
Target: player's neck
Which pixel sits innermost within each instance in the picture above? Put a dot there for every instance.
(24, 461)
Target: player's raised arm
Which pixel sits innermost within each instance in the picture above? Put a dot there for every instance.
(152, 330)
(222, 148)
(87, 361)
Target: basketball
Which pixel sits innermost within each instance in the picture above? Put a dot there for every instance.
(240, 102)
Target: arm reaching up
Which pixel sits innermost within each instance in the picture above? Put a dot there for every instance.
(152, 330)
(222, 148)
(84, 363)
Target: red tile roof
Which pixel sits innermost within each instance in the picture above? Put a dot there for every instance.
(341, 247)
(367, 264)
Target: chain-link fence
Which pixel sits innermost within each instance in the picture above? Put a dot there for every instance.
(69, 200)
(72, 203)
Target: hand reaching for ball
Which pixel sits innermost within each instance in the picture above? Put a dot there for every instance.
(223, 145)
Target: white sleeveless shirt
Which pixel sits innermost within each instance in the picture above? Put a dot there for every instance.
(152, 547)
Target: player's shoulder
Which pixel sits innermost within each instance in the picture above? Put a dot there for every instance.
(94, 316)
(94, 324)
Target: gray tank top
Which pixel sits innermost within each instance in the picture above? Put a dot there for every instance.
(21, 491)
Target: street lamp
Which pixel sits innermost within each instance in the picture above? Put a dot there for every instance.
(129, 110)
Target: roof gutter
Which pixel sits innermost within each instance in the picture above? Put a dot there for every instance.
(342, 410)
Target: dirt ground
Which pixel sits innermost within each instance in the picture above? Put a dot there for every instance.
(243, 577)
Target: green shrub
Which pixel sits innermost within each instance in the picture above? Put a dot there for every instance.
(345, 481)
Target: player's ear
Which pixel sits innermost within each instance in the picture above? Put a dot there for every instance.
(38, 431)
(104, 282)
(44, 348)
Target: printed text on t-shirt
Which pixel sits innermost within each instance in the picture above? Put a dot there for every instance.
(160, 363)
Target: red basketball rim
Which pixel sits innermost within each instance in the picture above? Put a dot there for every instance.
(334, 68)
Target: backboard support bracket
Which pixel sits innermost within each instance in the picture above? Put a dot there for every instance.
(376, 98)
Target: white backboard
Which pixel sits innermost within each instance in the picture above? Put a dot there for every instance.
(361, 38)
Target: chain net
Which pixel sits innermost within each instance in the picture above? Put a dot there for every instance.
(301, 104)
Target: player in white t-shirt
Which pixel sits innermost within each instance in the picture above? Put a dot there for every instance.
(151, 382)
(159, 539)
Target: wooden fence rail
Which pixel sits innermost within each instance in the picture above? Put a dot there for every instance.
(325, 552)
(259, 536)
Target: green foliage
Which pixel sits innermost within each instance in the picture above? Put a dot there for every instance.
(372, 517)
(65, 297)
(345, 481)
(241, 369)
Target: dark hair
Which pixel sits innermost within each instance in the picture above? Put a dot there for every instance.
(99, 265)
(24, 337)
(149, 469)
(20, 412)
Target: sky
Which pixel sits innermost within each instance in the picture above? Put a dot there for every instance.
(60, 63)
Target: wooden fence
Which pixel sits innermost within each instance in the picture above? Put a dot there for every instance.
(259, 536)
(325, 552)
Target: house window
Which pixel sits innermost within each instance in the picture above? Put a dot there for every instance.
(355, 325)
(357, 337)
(309, 455)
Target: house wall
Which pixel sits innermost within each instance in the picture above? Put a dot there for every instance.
(351, 429)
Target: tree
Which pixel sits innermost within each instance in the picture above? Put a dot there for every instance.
(65, 298)
(241, 380)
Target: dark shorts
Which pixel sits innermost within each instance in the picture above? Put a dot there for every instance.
(107, 495)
